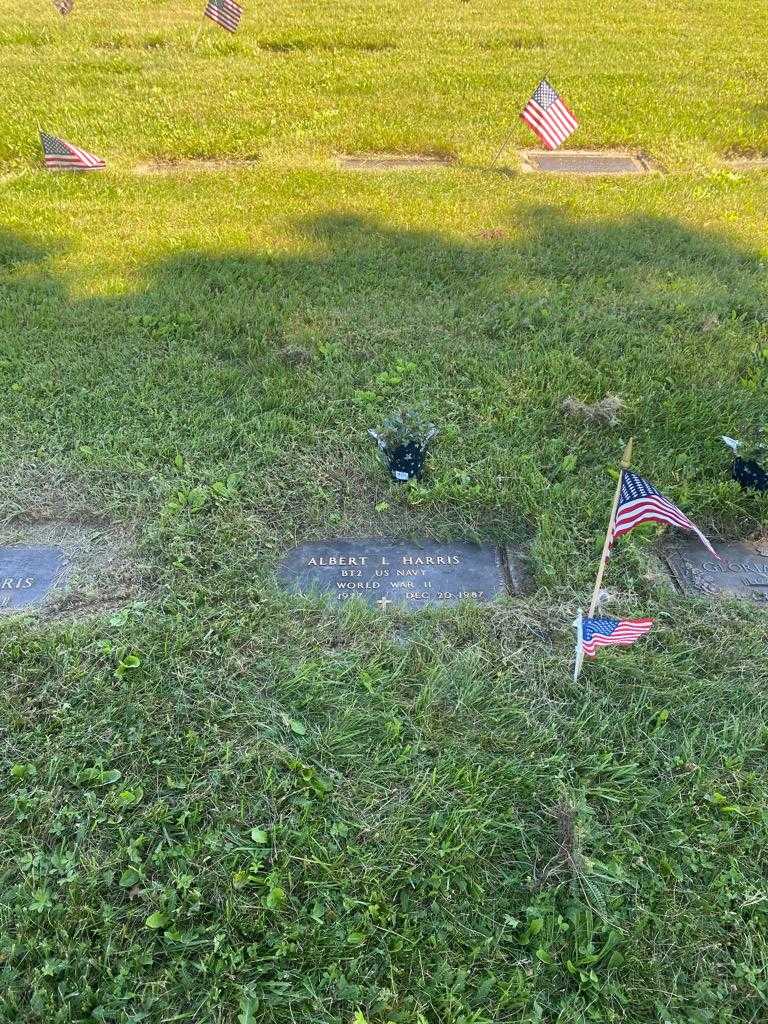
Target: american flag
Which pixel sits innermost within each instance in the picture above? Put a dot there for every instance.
(64, 7)
(549, 117)
(226, 13)
(596, 633)
(61, 155)
(640, 502)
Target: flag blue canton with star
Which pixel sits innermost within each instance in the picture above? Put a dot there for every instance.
(53, 146)
(634, 486)
(545, 95)
(603, 627)
(599, 627)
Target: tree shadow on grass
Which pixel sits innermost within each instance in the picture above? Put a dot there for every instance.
(274, 365)
(17, 252)
(404, 822)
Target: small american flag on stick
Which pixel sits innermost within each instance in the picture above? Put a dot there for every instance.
(549, 117)
(226, 13)
(61, 155)
(594, 633)
(640, 502)
(602, 632)
(64, 7)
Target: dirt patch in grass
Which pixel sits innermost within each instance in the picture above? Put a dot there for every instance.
(295, 355)
(195, 165)
(393, 161)
(566, 860)
(759, 541)
(745, 158)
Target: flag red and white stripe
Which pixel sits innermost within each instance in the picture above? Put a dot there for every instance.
(640, 502)
(60, 155)
(548, 116)
(226, 13)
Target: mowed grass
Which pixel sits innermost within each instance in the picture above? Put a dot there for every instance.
(225, 804)
(685, 82)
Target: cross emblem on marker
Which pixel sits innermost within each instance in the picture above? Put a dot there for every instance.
(383, 602)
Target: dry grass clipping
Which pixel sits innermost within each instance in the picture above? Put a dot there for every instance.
(294, 355)
(607, 411)
(567, 860)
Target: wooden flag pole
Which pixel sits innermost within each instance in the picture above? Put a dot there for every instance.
(198, 33)
(607, 545)
(503, 146)
(579, 624)
(60, 18)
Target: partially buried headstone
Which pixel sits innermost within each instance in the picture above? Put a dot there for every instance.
(741, 571)
(28, 574)
(392, 162)
(58, 569)
(410, 574)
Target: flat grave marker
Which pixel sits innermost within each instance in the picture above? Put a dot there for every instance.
(57, 568)
(407, 574)
(586, 162)
(200, 165)
(28, 574)
(747, 163)
(392, 162)
(742, 571)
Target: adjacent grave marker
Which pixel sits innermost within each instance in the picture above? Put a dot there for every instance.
(411, 574)
(57, 568)
(584, 161)
(747, 163)
(196, 166)
(742, 572)
(27, 574)
(392, 162)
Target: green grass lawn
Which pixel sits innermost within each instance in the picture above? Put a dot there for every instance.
(224, 804)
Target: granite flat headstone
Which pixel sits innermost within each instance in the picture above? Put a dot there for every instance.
(27, 574)
(410, 574)
(740, 572)
(747, 163)
(392, 162)
(582, 162)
